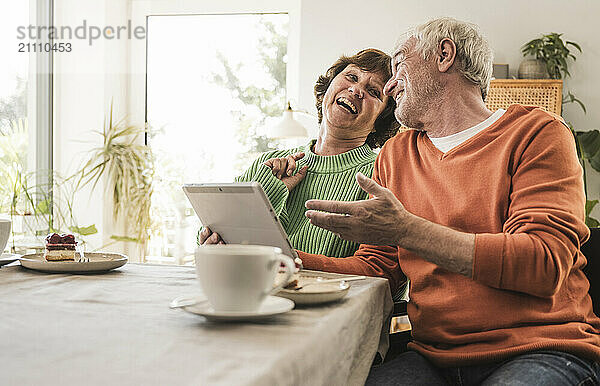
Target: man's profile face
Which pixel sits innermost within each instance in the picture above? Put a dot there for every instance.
(413, 85)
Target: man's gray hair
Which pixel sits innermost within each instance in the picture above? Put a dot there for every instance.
(473, 53)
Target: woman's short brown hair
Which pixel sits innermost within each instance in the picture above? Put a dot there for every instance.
(371, 60)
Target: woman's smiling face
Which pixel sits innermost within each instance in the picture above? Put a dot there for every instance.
(353, 101)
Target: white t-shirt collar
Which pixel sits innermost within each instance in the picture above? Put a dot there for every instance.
(447, 143)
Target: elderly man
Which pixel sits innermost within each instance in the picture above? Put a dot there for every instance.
(484, 212)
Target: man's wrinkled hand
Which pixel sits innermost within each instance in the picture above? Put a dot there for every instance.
(380, 220)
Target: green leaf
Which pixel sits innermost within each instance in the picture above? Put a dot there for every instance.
(43, 207)
(570, 98)
(125, 239)
(580, 103)
(574, 45)
(589, 206)
(590, 221)
(590, 146)
(84, 231)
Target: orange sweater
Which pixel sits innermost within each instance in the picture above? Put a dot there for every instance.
(518, 186)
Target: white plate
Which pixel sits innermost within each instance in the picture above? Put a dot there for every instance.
(7, 258)
(99, 261)
(315, 293)
(272, 306)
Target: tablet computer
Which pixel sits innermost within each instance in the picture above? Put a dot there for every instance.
(240, 213)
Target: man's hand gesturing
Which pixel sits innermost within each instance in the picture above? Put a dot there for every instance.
(380, 220)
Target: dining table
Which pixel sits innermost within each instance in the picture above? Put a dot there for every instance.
(116, 328)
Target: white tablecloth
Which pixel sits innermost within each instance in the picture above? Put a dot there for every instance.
(116, 329)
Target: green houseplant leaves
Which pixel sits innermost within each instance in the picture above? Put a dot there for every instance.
(588, 149)
(127, 166)
(589, 142)
(553, 51)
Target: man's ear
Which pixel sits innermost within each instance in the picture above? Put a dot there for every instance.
(446, 54)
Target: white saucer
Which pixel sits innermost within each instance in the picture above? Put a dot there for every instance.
(272, 305)
(7, 258)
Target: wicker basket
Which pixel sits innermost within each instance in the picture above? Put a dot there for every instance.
(545, 93)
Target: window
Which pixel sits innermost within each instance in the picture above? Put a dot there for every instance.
(214, 82)
(25, 122)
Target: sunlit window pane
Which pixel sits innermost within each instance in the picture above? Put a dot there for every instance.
(214, 83)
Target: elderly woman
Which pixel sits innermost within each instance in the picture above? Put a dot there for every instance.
(355, 117)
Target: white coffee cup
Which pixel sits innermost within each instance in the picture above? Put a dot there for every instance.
(238, 278)
(4, 233)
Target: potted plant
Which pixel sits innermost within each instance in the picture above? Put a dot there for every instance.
(40, 207)
(128, 167)
(41, 202)
(551, 54)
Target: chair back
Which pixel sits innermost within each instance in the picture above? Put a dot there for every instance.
(591, 250)
(545, 93)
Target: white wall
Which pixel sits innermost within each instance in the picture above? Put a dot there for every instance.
(320, 31)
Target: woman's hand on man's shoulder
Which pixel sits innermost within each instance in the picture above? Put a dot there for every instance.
(284, 167)
(207, 237)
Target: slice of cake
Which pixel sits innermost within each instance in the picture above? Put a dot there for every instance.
(60, 247)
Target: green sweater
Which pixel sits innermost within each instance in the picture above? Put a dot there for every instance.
(328, 178)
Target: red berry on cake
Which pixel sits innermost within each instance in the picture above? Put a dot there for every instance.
(67, 238)
(53, 238)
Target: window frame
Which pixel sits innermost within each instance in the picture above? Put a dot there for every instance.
(44, 95)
